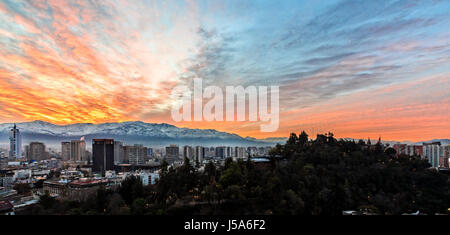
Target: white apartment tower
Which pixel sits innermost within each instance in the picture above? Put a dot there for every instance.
(433, 153)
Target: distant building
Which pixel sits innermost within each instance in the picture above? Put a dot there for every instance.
(78, 190)
(149, 152)
(199, 154)
(400, 149)
(36, 151)
(221, 152)
(416, 150)
(229, 152)
(136, 154)
(433, 152)
(210, 152)
(253, 151)
(188, 152)
(26, 152)
(15, 143)
(261, 163)
(240, 152)
(7, 180)
(445, 159)
(65, 151)
(410, 150)
(148, 178)
(172, 153)
(78, 150)
(263, 151)
(102, 155)
(119, 156)
(88, 156)
(6, 208)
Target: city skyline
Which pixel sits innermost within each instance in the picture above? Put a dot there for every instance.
(65, 133)
(357, 69)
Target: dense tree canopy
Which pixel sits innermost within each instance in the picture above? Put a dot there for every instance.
(305, 177)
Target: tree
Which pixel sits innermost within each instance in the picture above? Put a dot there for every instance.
(320, 177)
(124, 210)
(293, 139)
(390, 151)
(164, 167)
(115, 203)
(39, 184)
(210, 172)
(210, 169)
(303, 138)
(22, 188)
(130, 189)
(47, 201)
(234, 192)
(228, 163)
(138, 207)
(101, 199)
(231, 176)
(291, 204)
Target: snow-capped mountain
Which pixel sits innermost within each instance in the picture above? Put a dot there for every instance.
(128, 132)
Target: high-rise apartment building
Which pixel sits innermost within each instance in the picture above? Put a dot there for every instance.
(199, 154)
(240, 152)
(149, 152)
(119, 156)
(36, 151)
(229, 152)
(15, 143)
(433, 152)
(221, 152)
(78, 150)
(172, 153)
(188, 152)
(65, 151)
(136, 154)
(102, 155)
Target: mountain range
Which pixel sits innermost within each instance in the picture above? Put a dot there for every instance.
(149, 134)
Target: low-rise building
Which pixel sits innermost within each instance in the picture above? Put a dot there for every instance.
(6, 208)
(148, 178)
(78, 190)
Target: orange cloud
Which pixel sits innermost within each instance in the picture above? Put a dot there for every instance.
(80, 64)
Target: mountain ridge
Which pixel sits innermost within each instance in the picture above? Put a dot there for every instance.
(130, 132)
(155, 134)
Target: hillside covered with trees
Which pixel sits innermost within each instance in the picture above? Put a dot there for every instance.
(324, 176)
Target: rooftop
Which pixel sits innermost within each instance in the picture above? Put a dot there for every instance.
(5, 206)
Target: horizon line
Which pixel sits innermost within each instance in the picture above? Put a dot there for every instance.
(163, 123)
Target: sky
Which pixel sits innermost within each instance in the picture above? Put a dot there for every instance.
(356, 68)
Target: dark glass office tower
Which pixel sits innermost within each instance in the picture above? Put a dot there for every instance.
(102, 155)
